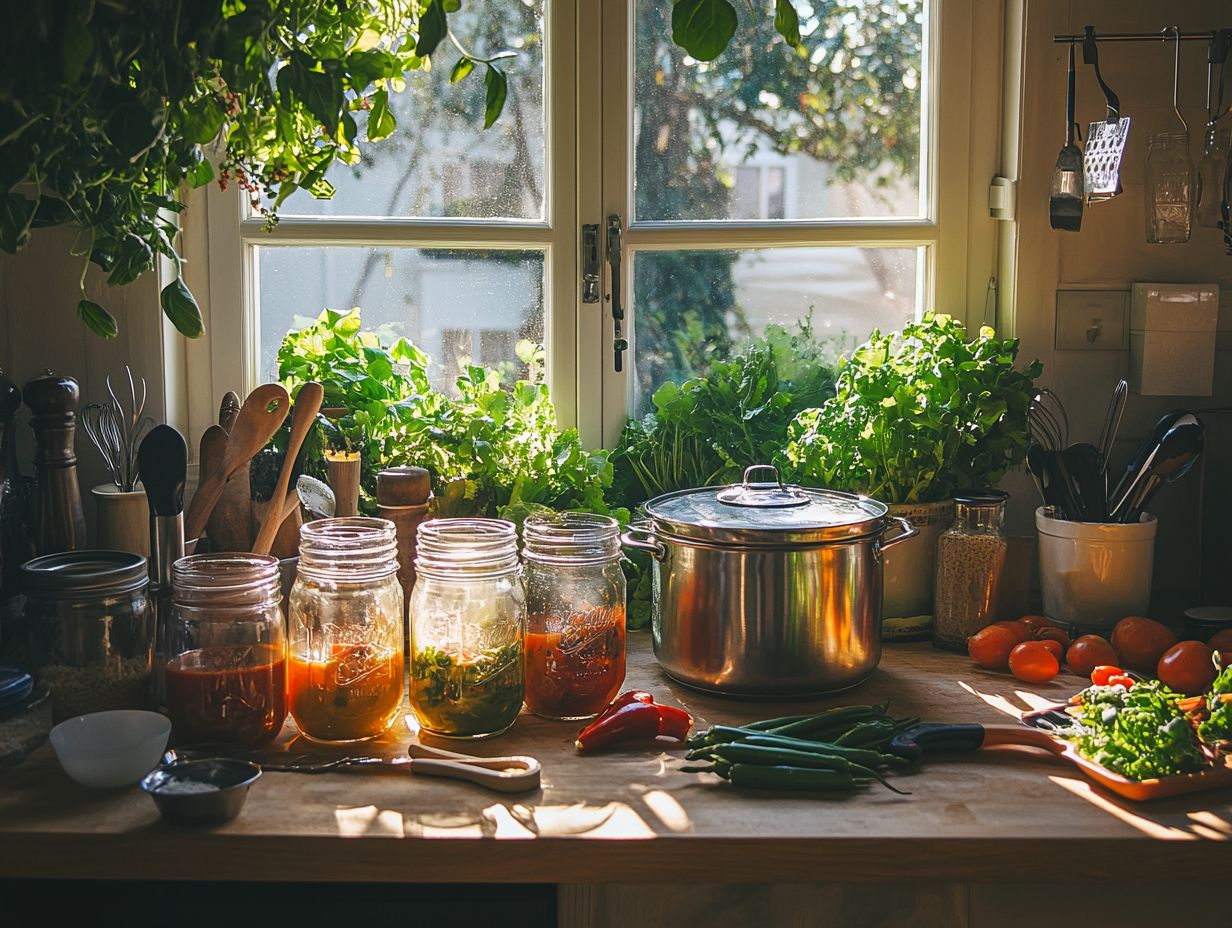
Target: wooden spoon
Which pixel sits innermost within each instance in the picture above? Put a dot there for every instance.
(303, 415)
(229, 526)
(260, 417)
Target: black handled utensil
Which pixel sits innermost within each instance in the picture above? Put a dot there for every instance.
(1175, 455)
(162, 461)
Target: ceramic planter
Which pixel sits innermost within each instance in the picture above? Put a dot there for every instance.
(908, 570)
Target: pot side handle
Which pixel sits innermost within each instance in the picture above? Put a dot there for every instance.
(629, 538)
(908, 531)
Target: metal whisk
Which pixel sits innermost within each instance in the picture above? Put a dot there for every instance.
(117, 430)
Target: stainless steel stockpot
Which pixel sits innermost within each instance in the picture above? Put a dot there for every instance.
(767, 590)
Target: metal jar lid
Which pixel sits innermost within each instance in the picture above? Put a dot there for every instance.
(84, 574)
(766, 513)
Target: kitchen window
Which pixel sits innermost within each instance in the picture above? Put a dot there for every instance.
(831, 188)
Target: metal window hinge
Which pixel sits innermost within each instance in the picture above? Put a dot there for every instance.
(1003, 198)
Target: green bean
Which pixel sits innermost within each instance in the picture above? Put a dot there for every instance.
(745, 753)
(754, 776)
(845, 715)
(865, 756)
(767, 724)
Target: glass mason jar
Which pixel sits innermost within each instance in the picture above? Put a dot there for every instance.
(1212, 170)
(226, 672)
(468, 622)
(346, 626)
(970, 559)
(1169, 188)
(575, 604)
(90, 630)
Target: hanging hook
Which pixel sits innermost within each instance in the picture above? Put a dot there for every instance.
(1176, 76)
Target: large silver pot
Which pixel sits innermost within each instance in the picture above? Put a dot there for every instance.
(767, 590)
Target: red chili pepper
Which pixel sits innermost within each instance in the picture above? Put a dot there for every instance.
(634, 721)
(623, 700)
(674, 723)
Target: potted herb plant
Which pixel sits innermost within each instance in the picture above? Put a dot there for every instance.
(917, 415)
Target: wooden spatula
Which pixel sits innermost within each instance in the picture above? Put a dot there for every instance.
(229, 526)
(261, 415)
(303, 415)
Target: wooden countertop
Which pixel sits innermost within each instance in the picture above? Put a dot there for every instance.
(631, 816)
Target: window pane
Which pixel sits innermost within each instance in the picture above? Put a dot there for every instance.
(455, 305)
(694, 306)
(441, 161)
(842, 122)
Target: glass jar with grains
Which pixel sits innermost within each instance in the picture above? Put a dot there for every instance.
(90, 630)
(575, 604)
(468, 622)
(970, 559)
(226, 673)
(346, 627)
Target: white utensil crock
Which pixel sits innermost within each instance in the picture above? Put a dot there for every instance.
(123, 519)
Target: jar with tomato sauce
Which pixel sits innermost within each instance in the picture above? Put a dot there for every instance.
(346, 660)
(575, 604)
(226, 679)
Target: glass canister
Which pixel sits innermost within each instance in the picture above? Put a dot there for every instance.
(1169, 188)
(90, 630)
(1212, 170)
(575, 606)
(346, 651)
(468, 624)
(226, 673)
(970, 559)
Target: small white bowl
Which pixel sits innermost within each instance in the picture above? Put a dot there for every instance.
(110, 749)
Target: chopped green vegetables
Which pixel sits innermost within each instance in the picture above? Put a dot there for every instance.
(481, 695)
(1140, 733)
(1218, 727)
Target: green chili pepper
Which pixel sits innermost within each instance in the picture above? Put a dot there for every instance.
(754, 776)
(844, 715)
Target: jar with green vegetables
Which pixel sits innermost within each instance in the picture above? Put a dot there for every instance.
(468, 627)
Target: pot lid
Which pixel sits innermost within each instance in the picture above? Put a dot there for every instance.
(766, 513)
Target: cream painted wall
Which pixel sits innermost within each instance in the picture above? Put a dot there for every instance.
(1111, 252)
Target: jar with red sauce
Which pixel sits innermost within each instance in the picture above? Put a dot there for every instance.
(575, 606)
(226, 679)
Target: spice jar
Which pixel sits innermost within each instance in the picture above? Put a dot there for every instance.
(1169, 188)
(575, 604)
(346, 626)
(90, 632)
(226, 674)
(468, 621)
(970, 558)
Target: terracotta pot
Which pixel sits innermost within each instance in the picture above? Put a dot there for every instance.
(909, 568)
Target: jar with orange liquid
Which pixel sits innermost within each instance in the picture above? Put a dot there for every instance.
(345, 668)
(226, 679)
(575, 603)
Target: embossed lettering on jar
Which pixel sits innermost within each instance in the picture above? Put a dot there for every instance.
(346, 664)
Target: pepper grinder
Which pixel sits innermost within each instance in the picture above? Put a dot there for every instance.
(61, 523)
(402, 495)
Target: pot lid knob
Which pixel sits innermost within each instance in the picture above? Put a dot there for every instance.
(765, 495)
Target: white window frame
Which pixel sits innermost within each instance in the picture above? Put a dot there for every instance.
(588, 94)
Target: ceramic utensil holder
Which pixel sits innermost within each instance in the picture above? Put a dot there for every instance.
(123, 519)
(1093, 574)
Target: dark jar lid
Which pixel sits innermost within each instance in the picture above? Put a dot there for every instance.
(85, 574)
(981, 497)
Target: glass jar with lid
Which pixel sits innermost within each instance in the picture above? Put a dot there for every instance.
(970, 560)
(1169, 188)
(226, 673)
(575, 605)
(90, 630)
(1212, 170)
(346, 651)
(468, 624)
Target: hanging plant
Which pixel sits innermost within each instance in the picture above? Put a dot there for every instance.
(106, 107)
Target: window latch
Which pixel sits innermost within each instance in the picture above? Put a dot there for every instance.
(591, 267)
(619, 343)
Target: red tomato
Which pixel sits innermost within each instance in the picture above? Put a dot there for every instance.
(1187, 668)
(1037, 621)
(1121, 679)
(1053, 634)
(990, 647)
(1222, 642)
(1034, 662)
(1141, 642)
(1089, 652)
(1054, 648)
(1017, 629)
(1105, 672)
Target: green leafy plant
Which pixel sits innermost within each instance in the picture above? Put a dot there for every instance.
(491, 449)
(918, 414)
(708, 429)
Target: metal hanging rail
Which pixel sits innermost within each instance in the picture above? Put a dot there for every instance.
(1166, 35)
